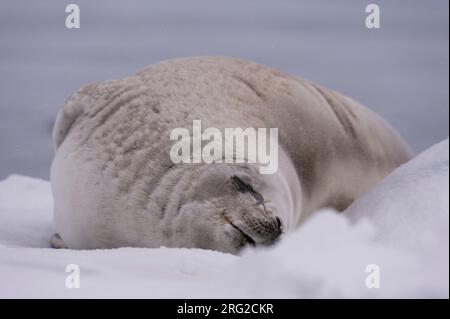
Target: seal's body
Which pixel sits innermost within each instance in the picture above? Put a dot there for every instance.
(114, 183)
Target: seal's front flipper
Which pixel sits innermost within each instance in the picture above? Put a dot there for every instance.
(57, 242)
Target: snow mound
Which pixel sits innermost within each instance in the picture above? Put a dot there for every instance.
(401, 227)
(410, 208)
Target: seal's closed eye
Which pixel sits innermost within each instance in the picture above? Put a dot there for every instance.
(244, 187)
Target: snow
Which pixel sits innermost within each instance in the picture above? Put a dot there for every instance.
(402, 226)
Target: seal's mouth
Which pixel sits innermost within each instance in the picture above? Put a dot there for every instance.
(246, 237)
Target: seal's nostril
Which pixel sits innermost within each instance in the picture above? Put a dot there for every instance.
(278, 222)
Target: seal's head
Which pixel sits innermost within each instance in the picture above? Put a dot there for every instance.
(227, 207)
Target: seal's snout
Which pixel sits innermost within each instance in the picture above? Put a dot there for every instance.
(271, 232)
(259, 232)
(265, 232)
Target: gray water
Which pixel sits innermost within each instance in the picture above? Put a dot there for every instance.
(400, 71)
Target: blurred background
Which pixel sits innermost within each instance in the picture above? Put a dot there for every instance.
(400, 71)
